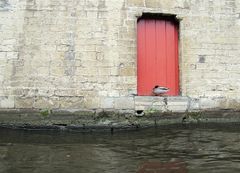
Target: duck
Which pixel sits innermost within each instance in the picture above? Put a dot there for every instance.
(160, 90)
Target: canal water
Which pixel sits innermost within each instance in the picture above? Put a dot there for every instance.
(210, 148)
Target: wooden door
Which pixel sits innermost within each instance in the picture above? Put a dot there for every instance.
(157, 56)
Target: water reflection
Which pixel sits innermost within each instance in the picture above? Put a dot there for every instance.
(169, 149)
(167, 167)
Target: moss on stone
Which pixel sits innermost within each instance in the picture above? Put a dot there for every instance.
(193, 116)
(45, 112)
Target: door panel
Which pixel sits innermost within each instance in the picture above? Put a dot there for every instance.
(157, 56)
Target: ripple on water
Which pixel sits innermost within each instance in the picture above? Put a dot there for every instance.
(182, 149)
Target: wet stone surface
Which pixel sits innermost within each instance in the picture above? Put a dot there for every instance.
(174, 148)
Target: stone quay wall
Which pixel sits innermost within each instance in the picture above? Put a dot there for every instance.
(82, 54)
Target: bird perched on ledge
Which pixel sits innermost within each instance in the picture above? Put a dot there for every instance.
(159, 91)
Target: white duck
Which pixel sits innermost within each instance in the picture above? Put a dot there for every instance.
(159, 91)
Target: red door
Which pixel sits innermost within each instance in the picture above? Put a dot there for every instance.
(157, 56)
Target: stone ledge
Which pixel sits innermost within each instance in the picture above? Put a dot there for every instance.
(88, 120)
(163, 104)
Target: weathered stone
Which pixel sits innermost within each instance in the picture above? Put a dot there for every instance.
(24, 102)
(7, 102)
(135, 3)
(163, 104)
(124, 103)
(71, 102)
(127, 71)
(211, 103)
(91, 102)
(107, 103)
(177, 108)
(46, 103)
(84, 55)
(152, 3)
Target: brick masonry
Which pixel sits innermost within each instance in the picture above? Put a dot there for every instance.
(82, 54)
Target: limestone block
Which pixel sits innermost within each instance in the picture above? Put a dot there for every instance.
(107, 103)
(57, 71)
(42, 71)
(231, 104)
(152, 3)
(113, 93)
(194, 104)
(104, 71)
(102, 93)
(176, 108)
(158, 103)
(179, 106)
(3, 55)
(92, 102)
(68, 92)
(87, 71)
(24, 102)
(26, 92)
(71, 102)
(140, 107)
(180, 99)
(42, 102)
(46, 92)
(175, 104)
(209, 103)
(165, 4)
(147, 99)
(139, 3)
(7, 101)
(114, 71)
(127, 71)
(7, 48)
(124, 103)
(12, 55)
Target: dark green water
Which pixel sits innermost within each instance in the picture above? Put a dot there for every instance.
(209, 148)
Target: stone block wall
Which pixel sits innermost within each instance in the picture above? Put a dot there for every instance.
(82, 54)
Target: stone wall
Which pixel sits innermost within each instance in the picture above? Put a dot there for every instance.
(81, 54)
